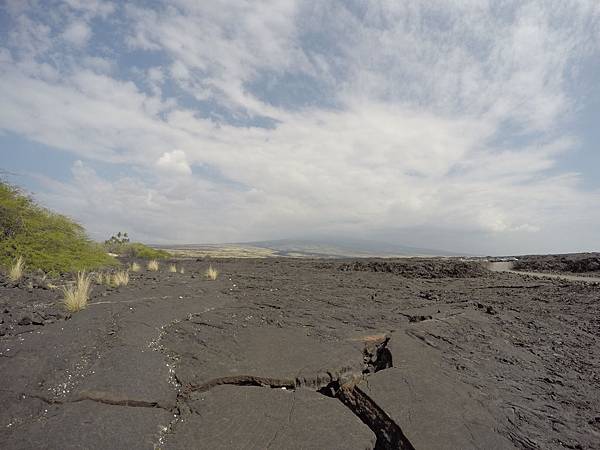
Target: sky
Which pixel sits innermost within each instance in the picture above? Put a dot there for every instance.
(467, 125)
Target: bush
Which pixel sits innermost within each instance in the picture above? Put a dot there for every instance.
(121, 278)
(122, 247)
(119, 238)
(76, 295)
(15, 273)
(46, 240)
(211, 273)
(137, 250)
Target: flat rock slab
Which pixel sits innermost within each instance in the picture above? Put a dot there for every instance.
(433, 408)
(130, 374)
(261, 418)
(88, 424)
(207, 350)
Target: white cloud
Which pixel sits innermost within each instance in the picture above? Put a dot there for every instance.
(179, 71)
(77, 33)
(174, 161)
(92, 8)
(5, 56)
(450, 119)
(222, 44)
(98, 64)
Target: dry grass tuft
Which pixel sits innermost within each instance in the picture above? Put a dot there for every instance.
(78, 294)
(100, 277)
(16, 271)
(153, 265)
(120, 278)
(211, 273)
(182, 271)
(173, 268)
(135, 267)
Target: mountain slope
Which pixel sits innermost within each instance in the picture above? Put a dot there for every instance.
(345, 248)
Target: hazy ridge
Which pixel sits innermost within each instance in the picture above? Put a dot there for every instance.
(306, 248)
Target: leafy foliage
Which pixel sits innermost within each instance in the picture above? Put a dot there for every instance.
(120, 245)
(46, 240)
(118, 239)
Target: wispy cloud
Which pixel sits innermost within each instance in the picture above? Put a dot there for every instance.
(430, 115)
(77, 33)
(175, 162)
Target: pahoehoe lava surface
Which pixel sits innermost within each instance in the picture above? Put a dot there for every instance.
(579, 263)
(428, 353)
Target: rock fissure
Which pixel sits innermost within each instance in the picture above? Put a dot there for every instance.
(241, 380)
(376, 357)
(388, 432)
(106, 398)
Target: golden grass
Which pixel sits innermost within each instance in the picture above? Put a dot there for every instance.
(120, 278)
(100, 277)
(211, 273)
(16, 271)
(223, 251)
(135, 267)
(153, 265)
(173, 268)
(76, 295)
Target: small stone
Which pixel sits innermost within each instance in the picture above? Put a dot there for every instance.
(25, 320)
(37, 319)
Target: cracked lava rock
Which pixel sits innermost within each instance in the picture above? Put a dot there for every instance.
(287, 353)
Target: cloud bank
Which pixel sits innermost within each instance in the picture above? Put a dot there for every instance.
(444, 121)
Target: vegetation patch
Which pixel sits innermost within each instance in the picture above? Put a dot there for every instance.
(102, 277)
(211, 273)
(76, 295)
(120, 278)
(119, 244)
(16, 271)
(45, 240)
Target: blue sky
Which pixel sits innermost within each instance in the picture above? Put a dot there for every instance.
(465, 125)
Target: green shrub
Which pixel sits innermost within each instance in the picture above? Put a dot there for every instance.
(117, 239)
(137, 250)
(46, 240)
(134, 250)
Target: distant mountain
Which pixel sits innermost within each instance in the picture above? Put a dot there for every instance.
(343, 248)
(304, 248)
